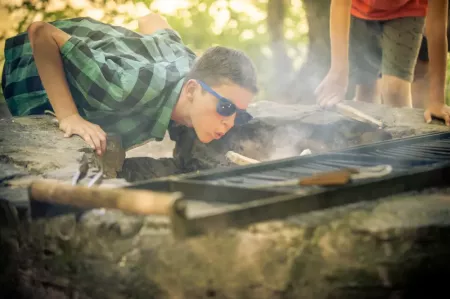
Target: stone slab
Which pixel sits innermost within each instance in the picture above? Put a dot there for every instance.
(34, 147)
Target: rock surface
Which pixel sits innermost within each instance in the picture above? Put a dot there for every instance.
(34, 147)
(393, 248)
(390, 248)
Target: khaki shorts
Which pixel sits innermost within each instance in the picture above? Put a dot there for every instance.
(384, 48)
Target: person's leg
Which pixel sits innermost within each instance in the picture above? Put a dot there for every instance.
(420, 84)
(365, 59)
(400, 45)
(396, 92)
(369, 92)
(419, 87)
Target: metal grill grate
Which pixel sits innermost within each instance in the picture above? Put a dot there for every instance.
(402, 155)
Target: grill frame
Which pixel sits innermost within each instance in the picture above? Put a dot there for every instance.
(262, 204)
(212, 206)
(283, 206)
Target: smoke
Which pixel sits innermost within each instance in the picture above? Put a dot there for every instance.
(289, 141)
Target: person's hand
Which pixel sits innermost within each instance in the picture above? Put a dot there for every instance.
(332, 89)
(91, 133)
(439, 110)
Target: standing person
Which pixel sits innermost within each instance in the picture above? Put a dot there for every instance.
(381, 38)
(421, 82)
(101, 79)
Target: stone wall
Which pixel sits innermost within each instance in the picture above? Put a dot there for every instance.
(393, 248)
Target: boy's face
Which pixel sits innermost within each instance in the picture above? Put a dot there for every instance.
(210, 110)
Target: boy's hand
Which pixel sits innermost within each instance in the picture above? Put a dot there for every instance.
(438, 110)
(332, 89)
(91, 133)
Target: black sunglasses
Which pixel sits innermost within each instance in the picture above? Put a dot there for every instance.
(226, 107)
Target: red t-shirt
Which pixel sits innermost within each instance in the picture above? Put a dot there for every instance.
(388, 9)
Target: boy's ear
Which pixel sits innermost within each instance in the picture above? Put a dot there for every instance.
(191, 86)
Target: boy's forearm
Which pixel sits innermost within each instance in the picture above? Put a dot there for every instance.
(51, 71)
(340, 12)
(436, 31)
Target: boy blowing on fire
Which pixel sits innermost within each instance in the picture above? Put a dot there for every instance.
(101, 79)
(373, 38)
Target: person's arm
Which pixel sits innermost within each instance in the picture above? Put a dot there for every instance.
(333, 88)
(436, 32)
(45, 44)
(151, 23)
(46, 41)
(339, 34)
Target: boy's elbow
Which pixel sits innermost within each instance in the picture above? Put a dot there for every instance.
(36, 30)
(152, 22)
(149, 18)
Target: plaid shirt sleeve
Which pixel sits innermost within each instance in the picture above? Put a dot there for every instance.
(126, 82)
(89, 73)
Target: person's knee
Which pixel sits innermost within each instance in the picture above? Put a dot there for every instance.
(420, 70)
(395, 86)
(396, 91)
(368, 92)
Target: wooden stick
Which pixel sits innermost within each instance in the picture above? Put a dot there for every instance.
(332, 178)
(240, 159)
(142, 202)
(358, 115)
(335, 177)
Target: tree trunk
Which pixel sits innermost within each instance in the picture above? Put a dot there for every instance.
(282, 64)
(306, 79)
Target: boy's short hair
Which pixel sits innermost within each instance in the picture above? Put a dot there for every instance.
(219, 64)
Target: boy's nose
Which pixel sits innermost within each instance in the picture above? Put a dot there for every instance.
(228, 123)
(224, 127)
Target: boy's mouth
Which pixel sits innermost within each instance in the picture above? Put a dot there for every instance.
(217, 135)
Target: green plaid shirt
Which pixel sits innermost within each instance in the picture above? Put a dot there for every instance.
(126, 82)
